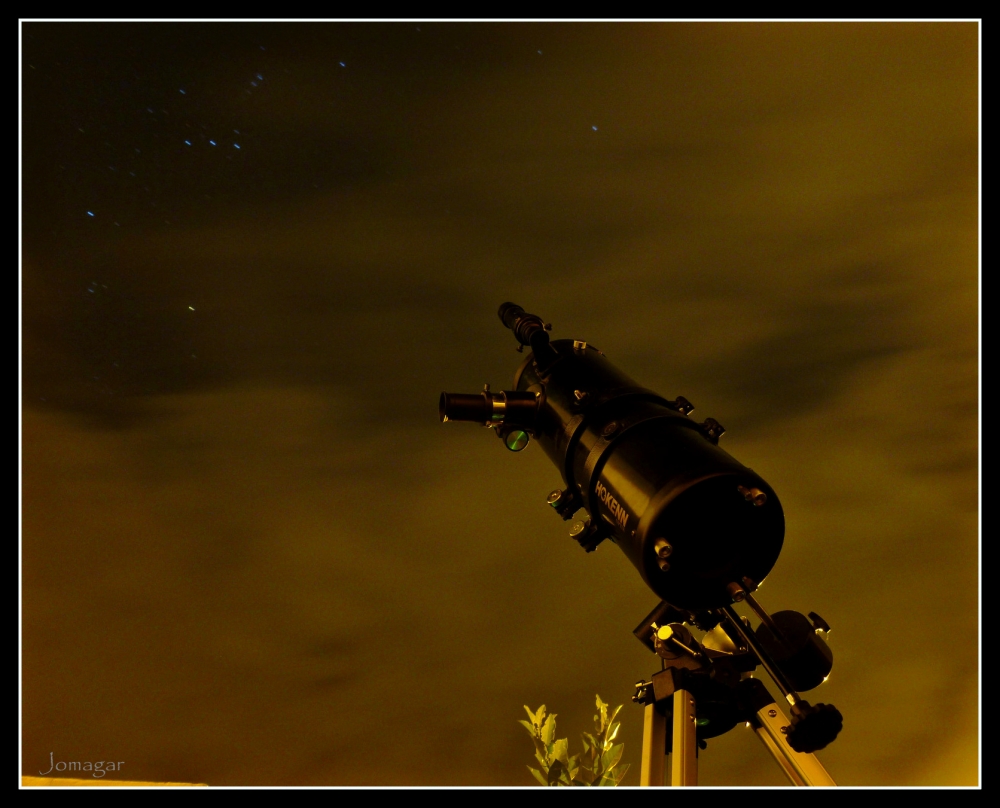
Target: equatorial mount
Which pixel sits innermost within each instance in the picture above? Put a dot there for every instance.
(706, 688)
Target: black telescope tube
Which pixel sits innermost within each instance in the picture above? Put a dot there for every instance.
(464, 407)
(650, 478)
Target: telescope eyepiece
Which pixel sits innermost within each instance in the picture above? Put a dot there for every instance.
(509, 408)
(464, 407)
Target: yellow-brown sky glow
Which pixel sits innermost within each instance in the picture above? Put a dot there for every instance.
(252, 555)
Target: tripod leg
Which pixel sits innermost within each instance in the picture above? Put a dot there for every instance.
(654, 745)
(803, 769)
(684, 752)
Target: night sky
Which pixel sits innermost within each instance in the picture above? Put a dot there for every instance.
(254, 254)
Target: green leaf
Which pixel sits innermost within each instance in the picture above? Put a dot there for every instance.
(610, 758)
(593, 753)
(560, 751)
(573, 766)
(597, 765)
(604, 712)
(549, 729)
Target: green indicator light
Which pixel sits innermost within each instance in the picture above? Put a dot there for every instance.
(702, 722)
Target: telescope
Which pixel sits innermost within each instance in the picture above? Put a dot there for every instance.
(702, 529)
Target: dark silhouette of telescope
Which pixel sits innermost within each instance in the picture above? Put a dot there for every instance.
(690, 517)
(702, 529)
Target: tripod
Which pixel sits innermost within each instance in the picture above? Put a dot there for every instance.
(705, 690)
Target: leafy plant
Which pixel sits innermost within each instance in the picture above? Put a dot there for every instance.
(598, 764)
